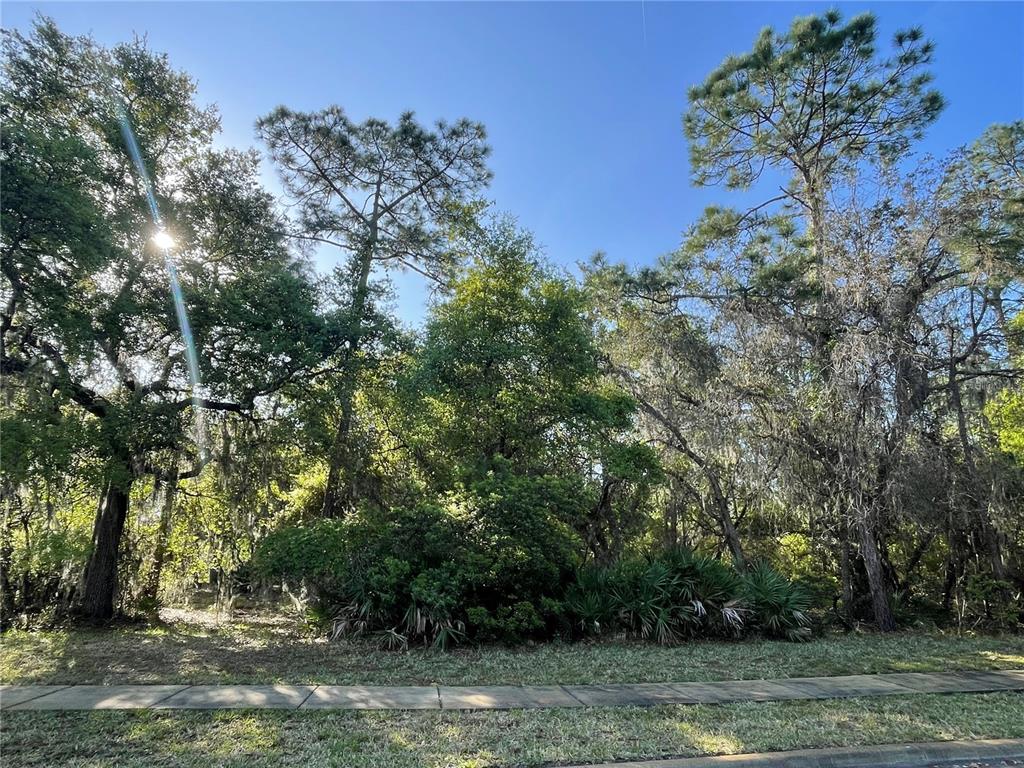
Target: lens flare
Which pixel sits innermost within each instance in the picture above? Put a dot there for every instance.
(163, 240)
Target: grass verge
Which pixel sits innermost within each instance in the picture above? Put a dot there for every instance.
(271, 650)
(478, 739)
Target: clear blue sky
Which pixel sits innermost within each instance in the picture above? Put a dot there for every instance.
(582, 101)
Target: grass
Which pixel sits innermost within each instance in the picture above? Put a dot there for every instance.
(191, 648)
(477, 739)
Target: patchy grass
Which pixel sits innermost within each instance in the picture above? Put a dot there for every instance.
(477, 739)
(191, 648)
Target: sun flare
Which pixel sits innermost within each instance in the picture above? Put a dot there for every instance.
(163, 240)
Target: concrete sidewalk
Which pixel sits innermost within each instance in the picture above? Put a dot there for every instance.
(59, 697)
(929, 754)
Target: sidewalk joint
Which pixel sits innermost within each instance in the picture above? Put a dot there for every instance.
(165, 698)
(571, 695)
(39, 696)
(311, 692)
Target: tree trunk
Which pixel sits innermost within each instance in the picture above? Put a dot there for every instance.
(337, 497)
(602, 539)
(846, 569)
(877, 582)
(949, 584)
(672, 515)
(151, 591)
(7, 600)
(732, 536)
(337, 494)
(98, 591)
(979, 495)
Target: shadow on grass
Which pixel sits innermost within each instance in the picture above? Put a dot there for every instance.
(275, 649)
(478, 739)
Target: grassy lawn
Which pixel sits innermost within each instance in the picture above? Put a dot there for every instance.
(190, 648)
(513, 738)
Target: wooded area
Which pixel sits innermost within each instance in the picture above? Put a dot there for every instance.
(812, 412)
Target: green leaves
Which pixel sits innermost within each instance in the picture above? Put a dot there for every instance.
(809, 101)
(509, 371)
(77, 225)
(677, 595)
(987, 181)
(378, 191)
(779, 607)
(89, 322)
(485, 564)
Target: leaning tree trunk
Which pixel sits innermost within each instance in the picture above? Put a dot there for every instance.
(98, 590)
(732, 538)
(720, 503)
(877, 584)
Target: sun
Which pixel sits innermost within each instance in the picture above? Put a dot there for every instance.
(163, 240)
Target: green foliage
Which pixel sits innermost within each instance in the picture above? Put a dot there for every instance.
(90, 324)
(678, 595)
(1005, 411)
(314, 552)
(811, 99)
(387, 196)
(482, 565)
(992, 603)
(42, 554)
(459, 583)
(389, 189)
(778, 607)
(509, 370)
(986, 180)
(1006, 414)
(828, 382)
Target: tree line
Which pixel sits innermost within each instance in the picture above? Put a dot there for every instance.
(812, 407)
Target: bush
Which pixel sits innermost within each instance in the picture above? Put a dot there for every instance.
(991, 603)
(778, 607)
(677, 595)
(498, 563)
(489, 564)
(313, 553)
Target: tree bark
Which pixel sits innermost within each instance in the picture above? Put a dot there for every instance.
(7, 601)
(979, 496)
(719, 499)
(877, 584)
(722, 513)
(672, 515)
(846, 569)
(151, 591)
(338, 495)
(732, 536)
(98, 591)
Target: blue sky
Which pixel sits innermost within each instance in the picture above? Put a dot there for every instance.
(582, 101)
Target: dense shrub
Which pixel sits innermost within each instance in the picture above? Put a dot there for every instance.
(677, 595)
(484, 565)
(498, 563)
(994, 604)
(777, 607)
